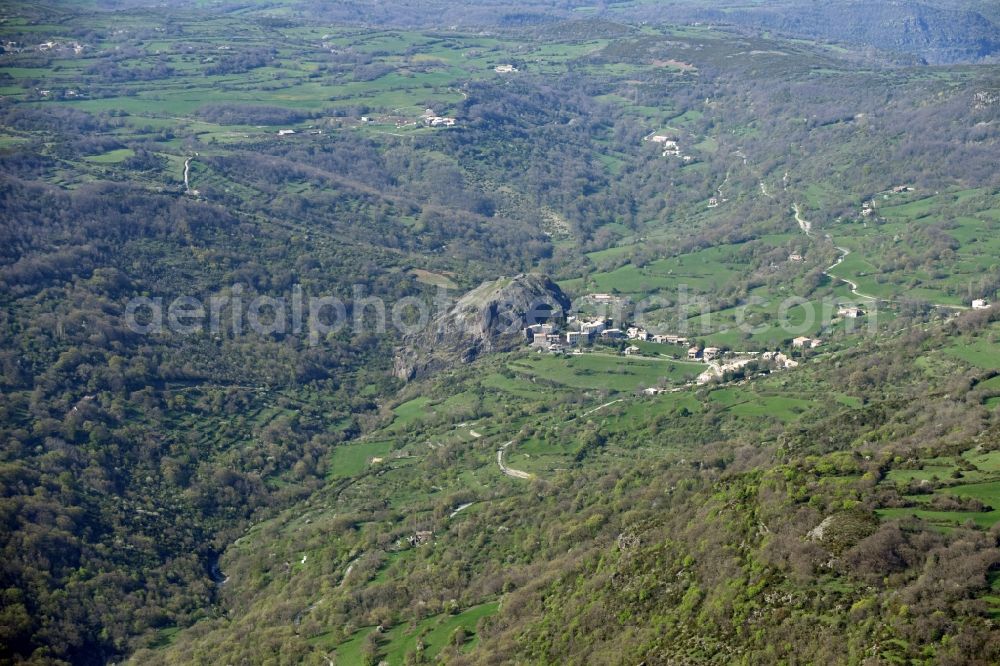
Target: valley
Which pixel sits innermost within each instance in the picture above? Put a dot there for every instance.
(270, 390)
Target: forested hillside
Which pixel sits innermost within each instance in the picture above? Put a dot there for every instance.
(251, 487)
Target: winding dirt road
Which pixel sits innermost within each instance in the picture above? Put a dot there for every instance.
(806, 227)
(513, 473)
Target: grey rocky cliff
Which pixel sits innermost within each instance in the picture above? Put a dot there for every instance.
(490, 318)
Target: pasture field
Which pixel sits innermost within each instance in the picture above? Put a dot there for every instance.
(434, 632)
(934, 247)
(352, 459)
(606, 371)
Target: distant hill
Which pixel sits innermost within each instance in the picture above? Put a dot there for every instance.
(936, 34)
(954, 31)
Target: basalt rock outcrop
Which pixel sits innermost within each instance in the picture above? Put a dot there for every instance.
(490, 318)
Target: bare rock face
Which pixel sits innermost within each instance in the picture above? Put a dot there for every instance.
(490, 318)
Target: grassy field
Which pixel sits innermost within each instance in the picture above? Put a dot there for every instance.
(606, 371)
(898, 254)
(702, 271)
(435, 633)
(740, 402)
(978, 473)
(982, 354)
(352, 459)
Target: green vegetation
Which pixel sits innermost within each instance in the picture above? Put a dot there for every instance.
(295, 494)
(602, 370)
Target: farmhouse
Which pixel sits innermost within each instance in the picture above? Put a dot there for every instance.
(784, 362)
(632, 350)
(851, 312)
(285, 132)
(980, 304)
(439, 121)
(421, 537)
(694, 353)
(711, 353)
(807, 343)
(795, 257)
(612, 334)
(505, 69)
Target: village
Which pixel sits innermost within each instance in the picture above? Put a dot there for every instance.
(598, 334)
(604, 334)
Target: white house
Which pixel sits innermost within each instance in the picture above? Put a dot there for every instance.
(632, 351)
(636, 333)
(851, 312)
(980, 304)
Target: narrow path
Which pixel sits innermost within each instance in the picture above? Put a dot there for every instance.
(513, 473)
(463, 507)
(347, 572)
(187, 177)
(804, 224)
(806, 227)
(600, 407)
(853, 285)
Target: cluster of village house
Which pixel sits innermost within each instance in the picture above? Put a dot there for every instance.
(868, 207)
(16, 47)
(671, 148)
(586, 331)
(429, 118)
